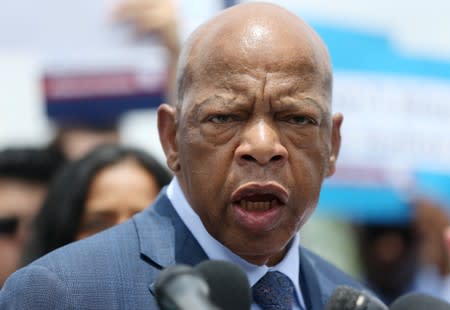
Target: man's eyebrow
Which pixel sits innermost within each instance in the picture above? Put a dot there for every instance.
(215, 100)
(308, 101)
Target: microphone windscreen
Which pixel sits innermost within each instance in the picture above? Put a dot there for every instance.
(418, 301)
(179, 287)
(168, 274)
(348, 298)
(343, 298)
(229, 286)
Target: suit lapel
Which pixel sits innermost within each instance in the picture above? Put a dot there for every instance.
(163, 237)
(164, 240)
(309, 284)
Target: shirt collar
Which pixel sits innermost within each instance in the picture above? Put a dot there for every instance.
(289, 265)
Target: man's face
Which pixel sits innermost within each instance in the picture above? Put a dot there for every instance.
(19, 203)
(254, 144)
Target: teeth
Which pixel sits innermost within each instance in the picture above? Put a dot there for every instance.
(257, 205)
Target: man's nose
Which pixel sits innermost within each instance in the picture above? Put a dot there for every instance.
(260, 143)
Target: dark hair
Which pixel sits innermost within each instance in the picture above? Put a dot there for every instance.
(58, 221)
(30, 164)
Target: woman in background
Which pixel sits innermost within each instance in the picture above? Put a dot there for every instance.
(104, 188)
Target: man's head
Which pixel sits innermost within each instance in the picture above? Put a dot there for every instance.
(252, 137)
(24, 175)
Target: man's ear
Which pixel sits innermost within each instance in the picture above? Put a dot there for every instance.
(167, 128)
(335, 143)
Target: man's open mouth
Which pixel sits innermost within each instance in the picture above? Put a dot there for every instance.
(258, 202)
(259, 195)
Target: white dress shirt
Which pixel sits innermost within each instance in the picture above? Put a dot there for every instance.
(289, 265)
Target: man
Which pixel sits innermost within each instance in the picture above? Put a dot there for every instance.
(24, 176)
(250, 142)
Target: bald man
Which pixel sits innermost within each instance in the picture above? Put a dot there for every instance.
(250, 140)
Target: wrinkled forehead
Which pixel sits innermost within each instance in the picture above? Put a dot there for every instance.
(263, 42)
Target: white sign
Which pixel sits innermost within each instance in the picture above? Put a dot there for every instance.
(393, 121)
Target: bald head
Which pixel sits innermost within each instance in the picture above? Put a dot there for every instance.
(260, 35)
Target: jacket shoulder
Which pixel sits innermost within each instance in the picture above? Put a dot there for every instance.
(328, 276)
(104, 271)
(330, 272)
(35, 287)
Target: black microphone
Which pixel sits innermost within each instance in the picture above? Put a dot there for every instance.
(348, 298)
(210, 285)
(229, 286)
(179, 287)
(418, 301)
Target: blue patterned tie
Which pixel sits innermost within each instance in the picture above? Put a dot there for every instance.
(274, 291)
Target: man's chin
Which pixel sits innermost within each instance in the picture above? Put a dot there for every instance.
(259, 252)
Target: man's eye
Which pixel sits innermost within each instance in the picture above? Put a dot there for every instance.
(221, 118)
(300, 120)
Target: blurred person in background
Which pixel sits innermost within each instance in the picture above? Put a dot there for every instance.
(432, 222)
(24, 177)
(104, 188)
(388, 257)
(397, 258)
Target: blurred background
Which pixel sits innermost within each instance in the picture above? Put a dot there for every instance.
(80, 65)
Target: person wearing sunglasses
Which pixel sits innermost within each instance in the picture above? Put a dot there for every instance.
(24, 176)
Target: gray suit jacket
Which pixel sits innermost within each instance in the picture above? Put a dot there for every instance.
(116, 269)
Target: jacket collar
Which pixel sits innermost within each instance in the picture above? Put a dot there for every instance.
(164, 240)
(309, 283)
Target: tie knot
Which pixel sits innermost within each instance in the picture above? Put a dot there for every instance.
(274, 291)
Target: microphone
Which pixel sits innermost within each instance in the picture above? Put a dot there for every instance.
(418, 301)
(179, 287)
(210, 285)
(229, 286)
(348, 298)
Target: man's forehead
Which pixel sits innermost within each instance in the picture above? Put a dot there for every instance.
(261, 30)
(251, 37)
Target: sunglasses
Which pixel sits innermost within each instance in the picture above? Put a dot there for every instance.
(9, 225)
